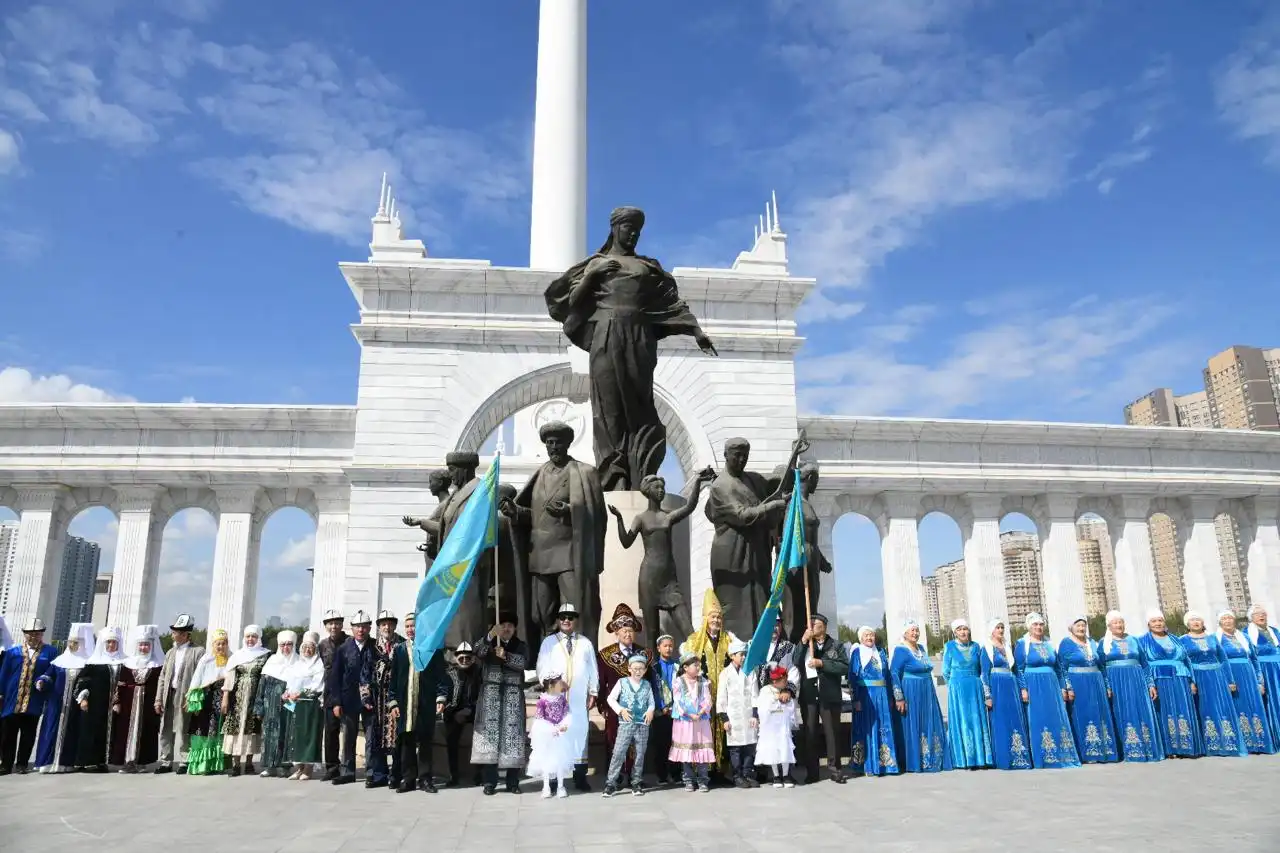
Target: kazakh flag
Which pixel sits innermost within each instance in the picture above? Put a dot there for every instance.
(442, 589)
(791, 556)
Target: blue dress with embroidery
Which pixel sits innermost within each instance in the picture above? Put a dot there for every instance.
(1008, 725)
(1266, 648)
(968, 729)
(1175, 706)
(1035, 665)
(1215, 709)
(875, 751)
(1090, 712)
(1124, 664)
(1251, 711)
(923, 744)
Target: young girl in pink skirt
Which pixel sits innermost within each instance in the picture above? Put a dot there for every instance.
(692, 743)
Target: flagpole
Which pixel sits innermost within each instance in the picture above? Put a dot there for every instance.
(497, 539)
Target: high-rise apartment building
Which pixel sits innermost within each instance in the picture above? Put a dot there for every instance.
(76, 587)
(1155, 409)
(953, 597)
(101, 600)
(1193, 411)
(1098, 565)
(1233, 569)
(1167, 557)
(8, 556)
(1023, 587)
(1241, 394)
(932, 616)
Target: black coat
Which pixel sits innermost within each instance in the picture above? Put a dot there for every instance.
(342, 683)
(835, 665)
(429, 685)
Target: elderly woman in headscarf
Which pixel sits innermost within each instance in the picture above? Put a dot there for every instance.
(923, 748)
(1133, 692)
(1213, 684)
(968, 729)
(1175, 702)
(204, 703)
(1035, 665)
(303, 694)
(95, 694)
(1086, 688)
(1266, 649)
(269, 704)
(242, 725)
(871, 727)
(135, 735)
(1251, 711)
(60, 724)
(1008, 725)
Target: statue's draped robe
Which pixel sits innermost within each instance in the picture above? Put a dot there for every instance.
(742, 549)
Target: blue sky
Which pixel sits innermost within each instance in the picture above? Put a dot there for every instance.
(1027, 211)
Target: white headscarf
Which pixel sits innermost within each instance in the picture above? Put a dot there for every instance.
(907, 626)
(990, 645)
(100, 653)
(1109, 639)
(153, 658)
(959, 623)
(82, 631)
(279, 664)
(307, 673)
(247, 654)
(1235, 636)
(1032, 618)
(1190, 616)
(1253, 631)
(6, 639)
(866, 654)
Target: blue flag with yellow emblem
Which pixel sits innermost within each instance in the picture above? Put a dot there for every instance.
(442, 589)
(791, 556)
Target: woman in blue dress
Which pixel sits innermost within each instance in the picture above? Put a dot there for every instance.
(1087, 693)
(1035, 664)
(1132, 690)
(60, 723)
(923, 747)
(1251, 711)
(1008, 725)
(1213, 684)
(1266, 648)
(968, 729)
(1175, 691)
(871, 726)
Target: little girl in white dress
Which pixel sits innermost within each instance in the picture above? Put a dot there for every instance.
(779, 716)
(552, 755)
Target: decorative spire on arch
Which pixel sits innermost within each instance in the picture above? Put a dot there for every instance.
(388, 243)
(768, 253)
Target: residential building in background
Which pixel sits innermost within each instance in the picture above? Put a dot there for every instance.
(1167, 557)
(1233, 569)
(101, 598)
(1192, 411)
(1240, 389)
(1098, 566)
(932, 616)
(1023, 588)
(953, 597)
(8, 556)
(80, 560)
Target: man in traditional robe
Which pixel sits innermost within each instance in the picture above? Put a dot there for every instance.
(375, 694)
(711, 644)
(60, 725)
(180, 664)
(562, 508)
(612, 666)
(328, 649)
(413, 708)
(135, 733)
(96, 693)
(456, 698)
(26, 684)
(572, 656)
(343, 699)
(498, 740)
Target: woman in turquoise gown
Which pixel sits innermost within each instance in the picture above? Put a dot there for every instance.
(968, 729)
(1266, 648)
(1213, 684)
(1251, 711)
(1087, 693)
(1132, 690)
(1035, 665)
(1175, 691)
(923, 744)
(871, 724)
(1008, 725)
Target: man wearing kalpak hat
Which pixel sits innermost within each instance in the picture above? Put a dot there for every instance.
(343, 699)
(26, 683)
(180, 665)
(375, 692)
(572, 656)
(613, 665)
(334, 637)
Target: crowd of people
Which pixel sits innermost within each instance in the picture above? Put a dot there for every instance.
(691, 712)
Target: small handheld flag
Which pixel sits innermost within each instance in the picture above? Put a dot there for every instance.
(791, 556)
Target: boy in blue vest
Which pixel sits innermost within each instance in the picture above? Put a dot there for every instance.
(632, 700)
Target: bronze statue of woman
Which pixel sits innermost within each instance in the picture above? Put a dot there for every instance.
(617, 305)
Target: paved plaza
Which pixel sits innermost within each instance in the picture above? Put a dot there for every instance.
(1218, 804)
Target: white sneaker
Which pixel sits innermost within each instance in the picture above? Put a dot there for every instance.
(777, 784)
(546, 793)
(562, 794)
(789, 785)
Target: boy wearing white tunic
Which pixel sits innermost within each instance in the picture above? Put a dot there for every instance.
(572, 656)
(736, 714)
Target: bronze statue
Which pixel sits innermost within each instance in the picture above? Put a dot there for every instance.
(795, 619)
(617, 305)
(439, 483)
(663, 604)
(561, 511)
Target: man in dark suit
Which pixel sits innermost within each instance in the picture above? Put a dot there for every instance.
(342, 694)
(328, 650)
(821, 696)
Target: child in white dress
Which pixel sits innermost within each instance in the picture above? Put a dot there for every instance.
(552, 755)
(779, 717)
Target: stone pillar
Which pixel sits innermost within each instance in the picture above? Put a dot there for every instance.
(1264, 556)
(984, 565)
(233, 557)
(1063, 579)
(1136, 585)
(330, 560)
(36, 569)
(131, 602)
(900, 563)
(1202, 562)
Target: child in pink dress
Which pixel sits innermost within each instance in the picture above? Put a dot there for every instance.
(692, 743)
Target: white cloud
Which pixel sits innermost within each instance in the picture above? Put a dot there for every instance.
(296, 552)
(19, 385)
(295, 609)
(869, 611)
(10, 156)
(1247, 90)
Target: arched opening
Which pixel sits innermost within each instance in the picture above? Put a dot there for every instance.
(946, 596)
(1235, 565)
(1166, 556)
(1023, 569)
(184, 575)
(858, 582)
(1097, 568)
(285, 567)
(88, 551)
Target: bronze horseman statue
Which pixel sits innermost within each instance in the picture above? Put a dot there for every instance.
(617, 305)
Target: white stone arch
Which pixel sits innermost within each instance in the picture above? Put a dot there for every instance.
(1106, 508)
(832, 507)
(954, 507)
(168, 503)
(1032, 506)
(267, 503)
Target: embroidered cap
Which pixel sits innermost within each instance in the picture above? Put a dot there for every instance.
(184, 622)
(386, 616)
(360, 618)
(737, 647)
(776, 673)
(332, 616)
(464, 649)
(689, 657)
(567, 609)
(623, 617)
(33, 626)
(638, 659)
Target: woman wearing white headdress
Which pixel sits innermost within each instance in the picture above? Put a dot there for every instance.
(924, 736)
(242, 725)
(1266, 646)
(1251, 711)
(270, 704)
(1035, 665)
(60, 724)
(1133, 692)
(871, 726)
(304, 692)
(1175, 691)
(1081, 672)
(1214, 685)
(95, 693)
(135, 734)
(1009, 750)
(968, 730)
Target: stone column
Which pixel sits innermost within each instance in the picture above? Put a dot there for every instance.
(36, 568)
(1136, 585)
(1202, 562)
(1063, 579)
(131, 602)
(330, 560)
(900, 563)
(1264, 556)
(984, 565)
(231, 601)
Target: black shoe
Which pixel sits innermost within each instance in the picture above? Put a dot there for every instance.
(393, 781)
(490, 790)
(182, 770)
(329, 775)
(405, 787)
(580, 782)
(22, 770)
(427, 785)
(838, 777)
(163, 768)
(5, 771)
(375, 783)
(740, 782)
(609, 791)
(234, 771)
(248, 768)
(751, 781)
(513, 787)
(100, 768)
(344, 780)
